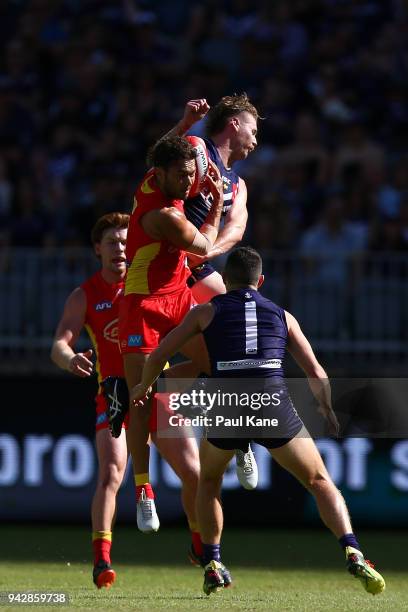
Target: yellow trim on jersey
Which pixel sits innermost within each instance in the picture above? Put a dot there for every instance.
(145, 188)
(137, 276)
(95, 345)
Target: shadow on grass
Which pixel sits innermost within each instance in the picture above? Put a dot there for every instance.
(273, 549)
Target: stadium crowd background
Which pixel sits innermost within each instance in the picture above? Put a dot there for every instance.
(87, 87)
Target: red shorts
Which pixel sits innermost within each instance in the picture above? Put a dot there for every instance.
(145, 320)
(101, 416)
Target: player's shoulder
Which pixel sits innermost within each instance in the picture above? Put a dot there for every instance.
(148, 188)
(91, 282)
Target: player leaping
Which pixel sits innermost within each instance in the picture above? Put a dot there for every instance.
(231, 126)
(156, 294)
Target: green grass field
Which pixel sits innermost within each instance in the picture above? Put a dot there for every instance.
(272, 570)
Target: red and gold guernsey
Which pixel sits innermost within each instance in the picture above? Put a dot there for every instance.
(155, 266)
(101, 323)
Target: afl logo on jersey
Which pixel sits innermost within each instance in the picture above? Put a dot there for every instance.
(111, 331)
(103, 306)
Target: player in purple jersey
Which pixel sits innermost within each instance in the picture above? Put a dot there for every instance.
(255, 334)
(231, 126)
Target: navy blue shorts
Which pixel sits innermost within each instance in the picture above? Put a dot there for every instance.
(200, 272)
(238, 430)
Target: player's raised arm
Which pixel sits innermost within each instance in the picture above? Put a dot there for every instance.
(300, 349)
(194, 111)
(194, 322)
(67, 333)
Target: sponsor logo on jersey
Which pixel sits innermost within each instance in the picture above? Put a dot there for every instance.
(111, 331)
(103, 305)
(101, 418)
(249, 364)
(135, 340)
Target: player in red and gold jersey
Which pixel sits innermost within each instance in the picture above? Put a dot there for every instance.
(95, 306)
(156, 295)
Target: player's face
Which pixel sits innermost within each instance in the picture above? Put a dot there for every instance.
(111, 250)
(245, 135)
(178, 178)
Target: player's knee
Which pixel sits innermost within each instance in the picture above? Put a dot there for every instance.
(210, 481)
(111, 476)
(318, 482)
(189, 473)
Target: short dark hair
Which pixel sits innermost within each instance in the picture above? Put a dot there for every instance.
(116, 220)
(243, 267)
(170, 149)
(228, 106)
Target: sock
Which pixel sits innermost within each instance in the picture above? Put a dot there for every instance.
(102, 544)
(196, 538)
(349, 539)
(197, 543)
(141, 479)
(148, 490)
(210, 552)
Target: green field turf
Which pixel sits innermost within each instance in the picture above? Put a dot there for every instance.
(272, 570)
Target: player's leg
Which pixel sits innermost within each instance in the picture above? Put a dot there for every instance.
(112, 458)
(301, 458)
(181, 453)
(206, 287)
(137, 440)
(213, 463)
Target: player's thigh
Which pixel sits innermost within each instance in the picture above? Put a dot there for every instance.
(213, 460)
(111, 451)
(133, 364)
(180, 452)
(301, 458)
(206, 288)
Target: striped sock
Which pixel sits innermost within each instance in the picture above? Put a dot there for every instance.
(101, 544)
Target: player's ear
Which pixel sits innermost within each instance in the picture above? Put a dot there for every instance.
(160, 174)
(260, 281)
(97, 249)
(235, 123)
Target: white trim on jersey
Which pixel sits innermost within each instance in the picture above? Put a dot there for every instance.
(249, 364)
(251, 328)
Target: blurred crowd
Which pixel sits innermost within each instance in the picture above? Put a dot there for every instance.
(86, 86)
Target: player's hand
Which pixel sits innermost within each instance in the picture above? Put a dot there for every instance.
(81, 364)
(330, 416)
(139, 395)
(194, 111)
(212, 182)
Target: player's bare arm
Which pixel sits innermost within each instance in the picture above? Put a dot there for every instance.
(67, 333)
(171, 224)
(194, 111)
(302, 352)
(194, 323)
(233, 229)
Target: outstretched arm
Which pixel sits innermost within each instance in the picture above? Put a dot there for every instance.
(68, 330)
(194, 111)
(302, 352)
